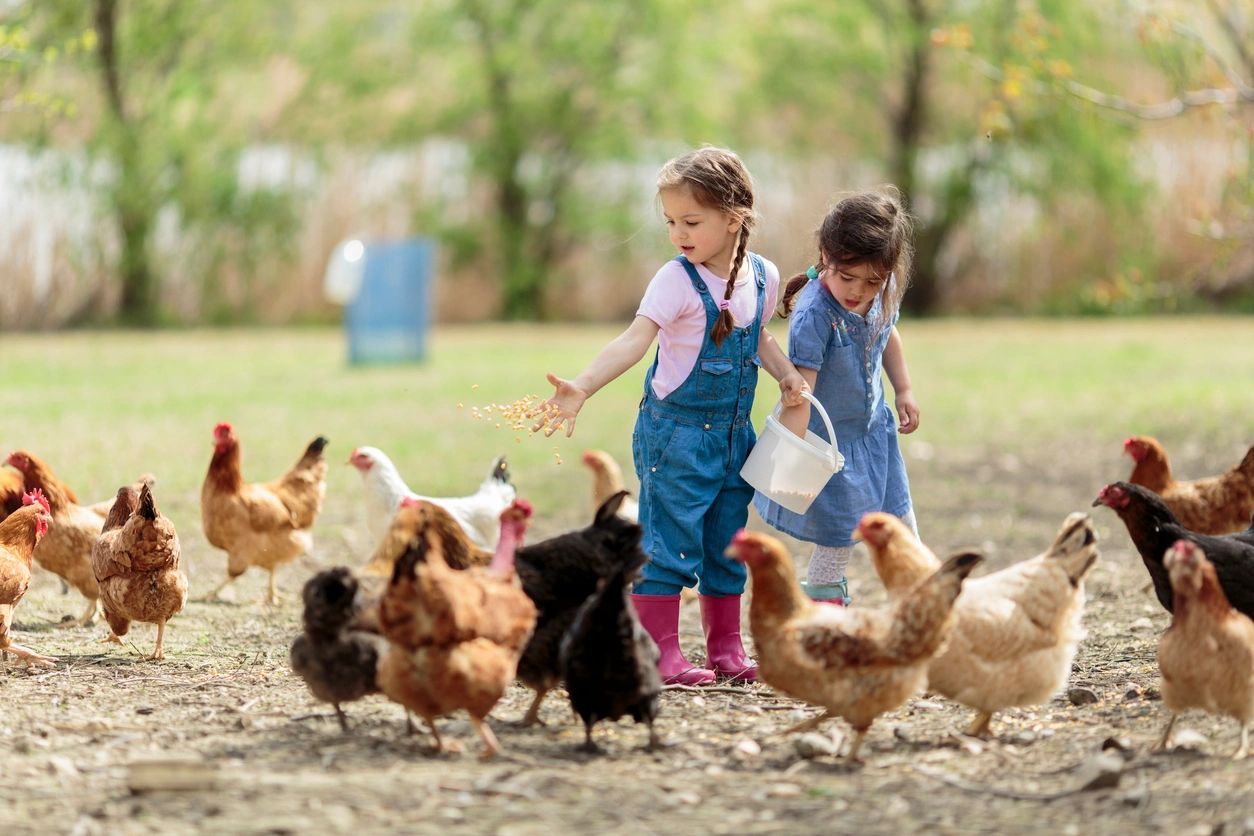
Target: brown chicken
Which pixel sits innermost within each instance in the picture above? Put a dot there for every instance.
(1016, 631)
(856, 663)
(66, 550)
(12, 487)
(454, 637)
(459, 551)
(20, 532)
(263, 524)
(1221, 504)
(1206, 656)
(136, 561)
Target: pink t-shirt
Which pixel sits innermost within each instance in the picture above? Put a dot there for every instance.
(673, 303)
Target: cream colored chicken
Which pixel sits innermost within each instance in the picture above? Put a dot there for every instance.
(1016, 630)
(856, 663)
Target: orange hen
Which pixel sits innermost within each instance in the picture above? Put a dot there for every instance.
(20, 532)
(1206, 656)
(264, 524)
(1220, 504)
(856, 663)
(136, 561)
(454, 636)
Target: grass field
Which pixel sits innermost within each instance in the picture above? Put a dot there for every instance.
(102, 407)
(1022, 422)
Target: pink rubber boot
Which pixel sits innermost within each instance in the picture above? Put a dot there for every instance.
(659, 615)
(721, 619)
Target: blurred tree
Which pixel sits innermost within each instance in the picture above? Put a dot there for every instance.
(937, 91)
(167, 128)
(537, 90)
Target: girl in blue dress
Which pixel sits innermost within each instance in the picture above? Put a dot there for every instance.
(842, 336)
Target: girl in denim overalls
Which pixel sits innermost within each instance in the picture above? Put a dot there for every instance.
(693, 431)
(842, 336)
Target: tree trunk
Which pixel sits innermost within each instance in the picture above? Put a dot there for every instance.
(131, 203)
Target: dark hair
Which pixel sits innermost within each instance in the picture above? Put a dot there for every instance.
(869, 227)
(719, 180)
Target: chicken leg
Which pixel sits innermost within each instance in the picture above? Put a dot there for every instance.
(491, 748)
(29, 656)
(159, 653)
(858, 736)
(84, 620)
(1244, 748)
(1165, 740)
(809, 725)
(980, 725)
(532, 717)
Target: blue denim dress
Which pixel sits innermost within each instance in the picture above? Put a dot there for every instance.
(823, 335)
(688, 449)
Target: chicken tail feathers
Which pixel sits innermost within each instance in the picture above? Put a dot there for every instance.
(1246, 467)
(314, 451)
(147, 505)
(500, 471)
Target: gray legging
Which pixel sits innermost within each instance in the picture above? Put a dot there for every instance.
(827, 563)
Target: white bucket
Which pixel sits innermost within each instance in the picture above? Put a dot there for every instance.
(789, 470)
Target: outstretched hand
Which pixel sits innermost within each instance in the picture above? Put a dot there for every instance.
(560, 409)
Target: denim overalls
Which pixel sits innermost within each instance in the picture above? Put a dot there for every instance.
(688, 449)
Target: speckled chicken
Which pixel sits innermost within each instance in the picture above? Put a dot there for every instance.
(608, 660)
(1015, 631)
(66, 550)
(338, 662)
(20, 533)
(855, 662)
(137, 564)
(1215, 505)
(1206, 656)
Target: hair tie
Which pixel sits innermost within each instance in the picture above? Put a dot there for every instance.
(812, 273)
(723, 304)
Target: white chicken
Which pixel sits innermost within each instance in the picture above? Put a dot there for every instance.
(479, 514)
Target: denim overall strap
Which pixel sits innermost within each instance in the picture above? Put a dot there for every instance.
(689, 448)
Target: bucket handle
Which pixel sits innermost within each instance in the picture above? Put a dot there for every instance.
(827, 422)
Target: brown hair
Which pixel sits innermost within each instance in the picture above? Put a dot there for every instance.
(718, 180)
(869, 227)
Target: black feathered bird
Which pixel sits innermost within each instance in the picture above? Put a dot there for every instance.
(336, 660)
(1153, 529)
(558, 575)
(609, 661)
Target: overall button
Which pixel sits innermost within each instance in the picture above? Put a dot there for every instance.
(707, 426)
(653, 470)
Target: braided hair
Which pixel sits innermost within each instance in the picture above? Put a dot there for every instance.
(718, 180)
(872, 228)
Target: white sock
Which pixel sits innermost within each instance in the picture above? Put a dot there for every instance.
(827, 564)
(909, 520)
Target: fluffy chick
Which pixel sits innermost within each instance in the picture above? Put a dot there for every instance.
(337, 662)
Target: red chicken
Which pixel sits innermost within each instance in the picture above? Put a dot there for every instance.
(1218, 505)
(262, 524)
(20, 532)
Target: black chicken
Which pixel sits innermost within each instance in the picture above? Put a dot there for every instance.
(609, 661)
(336, 661)
(558, 575)
(1153, 529)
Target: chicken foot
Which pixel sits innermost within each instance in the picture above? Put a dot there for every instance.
(809, 725)
(491, 748)
(980, 725)
(159, 653)
(29, 656)
(213, 596)
(1244, 748)
(343, 718)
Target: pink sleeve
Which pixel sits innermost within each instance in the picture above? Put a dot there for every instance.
(664, 299)
(772, 290)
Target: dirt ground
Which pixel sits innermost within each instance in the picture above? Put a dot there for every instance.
(243, 748)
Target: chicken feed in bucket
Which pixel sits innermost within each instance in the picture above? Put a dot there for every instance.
(788, 469)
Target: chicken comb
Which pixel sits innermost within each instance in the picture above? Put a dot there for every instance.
(523, 507)
(409, 502)
(36, 495)
(222, 428)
